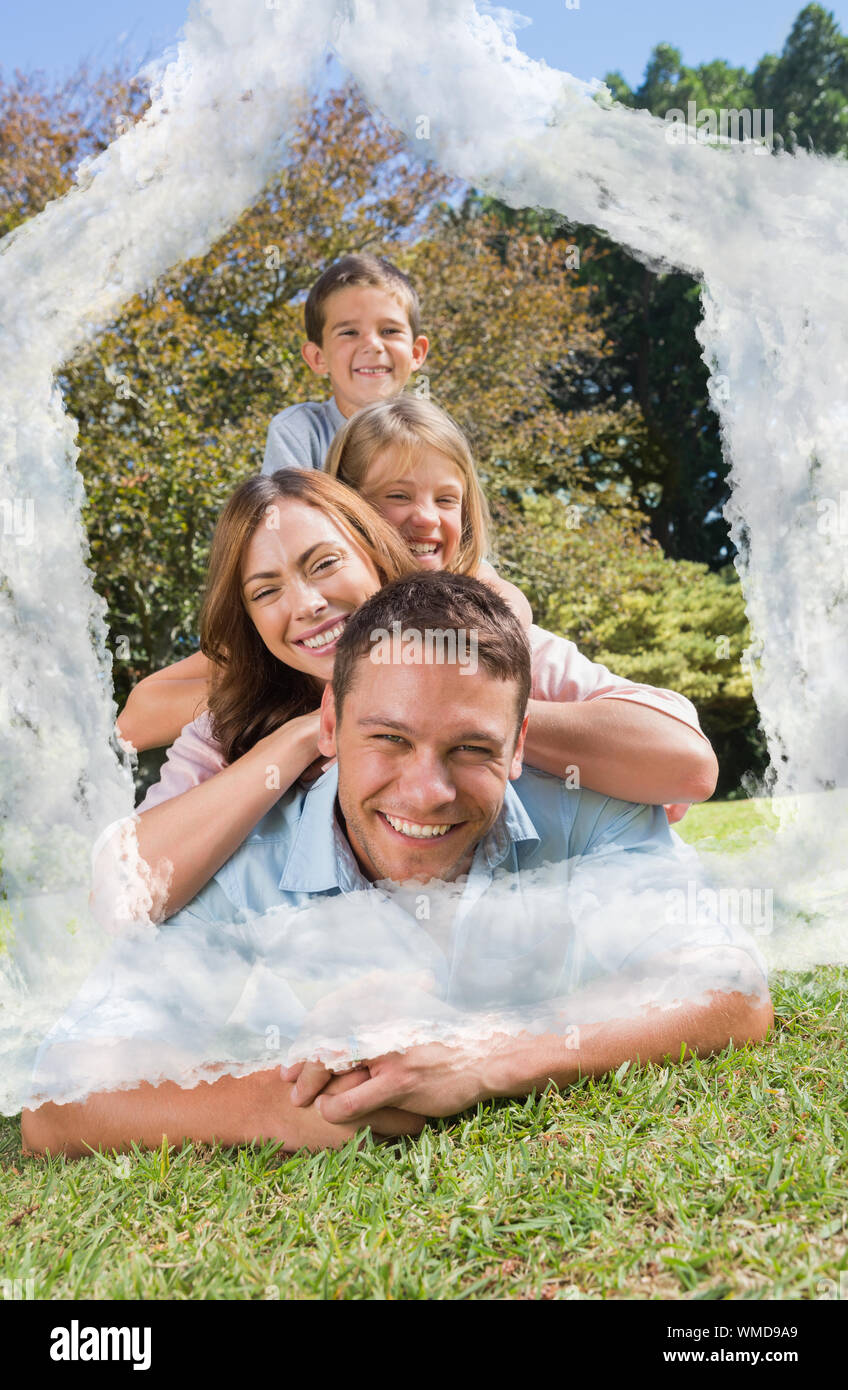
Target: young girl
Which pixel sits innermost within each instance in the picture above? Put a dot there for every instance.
(412, 462)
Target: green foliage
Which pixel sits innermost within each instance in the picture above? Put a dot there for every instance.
(672, 455)
(806, 86)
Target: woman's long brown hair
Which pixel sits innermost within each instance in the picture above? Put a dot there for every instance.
(253, 692)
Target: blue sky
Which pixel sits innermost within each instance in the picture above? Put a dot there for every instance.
(600, 36)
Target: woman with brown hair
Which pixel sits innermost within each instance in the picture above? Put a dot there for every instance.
(293, 555)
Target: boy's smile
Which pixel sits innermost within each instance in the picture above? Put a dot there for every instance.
(367, 349)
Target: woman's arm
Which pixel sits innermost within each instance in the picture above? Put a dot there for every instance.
(164, 702)
(508, 592)
(185, 839)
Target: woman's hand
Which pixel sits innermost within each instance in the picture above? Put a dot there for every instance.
(300, 733)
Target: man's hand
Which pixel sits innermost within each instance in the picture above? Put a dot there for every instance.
(311, 1078)
(430, 1079)
(316, 1130)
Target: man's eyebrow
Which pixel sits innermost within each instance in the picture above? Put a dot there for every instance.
(466, 736)
(301, 560)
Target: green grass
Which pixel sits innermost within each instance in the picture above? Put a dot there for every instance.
(734, 824)
(721, 1178)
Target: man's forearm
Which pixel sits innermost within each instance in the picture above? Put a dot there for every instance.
(231, 1110)
(517, 1065)
(621, 749)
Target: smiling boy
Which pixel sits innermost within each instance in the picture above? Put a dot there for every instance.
(363, 329)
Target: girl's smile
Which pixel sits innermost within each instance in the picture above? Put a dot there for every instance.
(423, 499)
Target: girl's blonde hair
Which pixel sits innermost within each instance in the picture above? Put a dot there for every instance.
(407, 423)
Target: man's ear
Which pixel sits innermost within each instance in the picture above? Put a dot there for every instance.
(314, 358)
(518, 756)
(327, 728)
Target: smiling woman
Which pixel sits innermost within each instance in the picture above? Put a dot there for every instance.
(293, 556)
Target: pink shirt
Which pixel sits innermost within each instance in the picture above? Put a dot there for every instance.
(560, 672)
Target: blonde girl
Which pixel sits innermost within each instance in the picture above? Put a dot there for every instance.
(411, 461)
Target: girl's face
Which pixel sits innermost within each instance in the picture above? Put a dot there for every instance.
(302, 576)
(425, 504)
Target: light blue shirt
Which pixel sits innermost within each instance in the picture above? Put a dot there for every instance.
(297, 852)
(544, 852)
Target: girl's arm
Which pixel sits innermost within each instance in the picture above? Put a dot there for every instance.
(621, 749)
(185, 839)
(508, 592)
(164, 702)
(618, 737)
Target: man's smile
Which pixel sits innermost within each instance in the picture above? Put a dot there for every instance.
(418, 830)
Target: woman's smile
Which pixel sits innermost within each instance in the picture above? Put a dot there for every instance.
(320, 641)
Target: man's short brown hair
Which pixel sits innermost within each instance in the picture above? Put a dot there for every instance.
(439, 602)
(359, 270)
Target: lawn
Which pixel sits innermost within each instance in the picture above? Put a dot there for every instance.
(722, 1178)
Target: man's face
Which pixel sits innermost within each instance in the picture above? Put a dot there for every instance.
(424, 754)
(367, 348)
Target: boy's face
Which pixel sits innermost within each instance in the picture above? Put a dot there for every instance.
(367, 349)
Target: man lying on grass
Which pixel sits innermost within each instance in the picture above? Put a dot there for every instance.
(428, 785)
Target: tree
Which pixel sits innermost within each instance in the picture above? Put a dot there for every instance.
(675, 460)
(807, 86)
(46, 131)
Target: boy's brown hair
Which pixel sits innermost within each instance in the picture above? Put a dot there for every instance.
(363, 269)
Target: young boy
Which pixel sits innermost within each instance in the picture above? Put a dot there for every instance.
(363, 332)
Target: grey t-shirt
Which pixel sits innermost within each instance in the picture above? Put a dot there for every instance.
(300, 436)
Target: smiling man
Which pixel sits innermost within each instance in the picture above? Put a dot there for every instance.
(429, 787)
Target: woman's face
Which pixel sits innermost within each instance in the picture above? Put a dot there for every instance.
(424, 503)
(302, 576)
